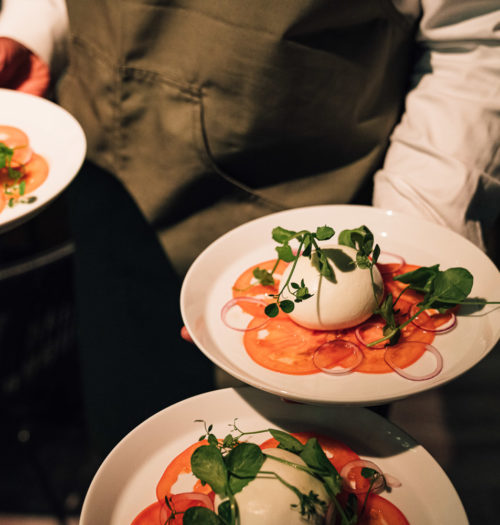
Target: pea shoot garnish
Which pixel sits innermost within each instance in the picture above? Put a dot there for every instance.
(307, 241)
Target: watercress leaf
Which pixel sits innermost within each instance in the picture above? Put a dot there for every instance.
(243, 464)
(224, 510)
(271, 310)
(392, 333)
(306, 252)
(420, 279)
(285, 253)
(281, 235)
(362, 261)
(359, 238)
(376, 254)
(368, 473)
(314, 457)
(295, 286)
(228, 441)
(323, 233)
(287, 441)
(263, 276)
(320, 261)
(452, 286)
(287, 306)
(208, 466)
(386, 311)
(201, 516)
(212, 440)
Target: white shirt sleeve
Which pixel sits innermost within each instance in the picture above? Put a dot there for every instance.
(40, 25)
(443, 162)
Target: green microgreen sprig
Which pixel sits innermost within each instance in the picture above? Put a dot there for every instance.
(307, 241)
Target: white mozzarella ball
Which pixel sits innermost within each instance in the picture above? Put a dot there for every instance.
(334, 306)
(267, 501)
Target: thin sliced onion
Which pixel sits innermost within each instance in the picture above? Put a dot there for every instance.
(425, 320)
(330, 355)
(389, 263)
(392, 481)
(360, 335)
(390, 359)
(331, 514)
(349, 477)
(237, 301)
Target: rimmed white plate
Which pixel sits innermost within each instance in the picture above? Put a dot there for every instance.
(126, 481)
(55, 135)
(208, 283)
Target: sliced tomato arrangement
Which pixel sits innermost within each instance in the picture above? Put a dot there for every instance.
(283, 346)
(29, 169)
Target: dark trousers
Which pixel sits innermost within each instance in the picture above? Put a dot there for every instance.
(132, 358)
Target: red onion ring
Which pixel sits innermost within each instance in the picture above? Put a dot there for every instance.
(387, 267)
(235, 302)
(389, 357)
(349, 479)
(322, 357)
(392, 481)
(424, 318)
(360, 336)
(331, 514)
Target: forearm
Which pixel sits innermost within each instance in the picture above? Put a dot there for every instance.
(443, 162)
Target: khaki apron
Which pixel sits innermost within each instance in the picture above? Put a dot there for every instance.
(212, 113)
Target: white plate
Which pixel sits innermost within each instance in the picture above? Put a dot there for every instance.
(55, 135)
(126, 481)
(208, 284)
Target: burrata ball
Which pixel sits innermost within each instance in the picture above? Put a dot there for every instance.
(268, 501)
(334, 305)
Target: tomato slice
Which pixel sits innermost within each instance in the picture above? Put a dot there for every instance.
(17, 140)
(283, 346)
(181, 464)
(247, 286)
(380, 511)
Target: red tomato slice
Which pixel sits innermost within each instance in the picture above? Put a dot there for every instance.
(379, 511)
(17, 140)
(181, 464)
(283, 346)
(244, 286)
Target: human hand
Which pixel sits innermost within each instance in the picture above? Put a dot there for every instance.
(185, 335)
(22, 70)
